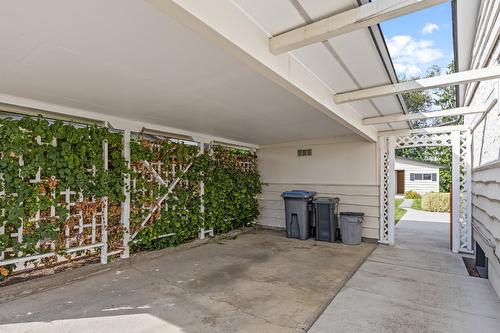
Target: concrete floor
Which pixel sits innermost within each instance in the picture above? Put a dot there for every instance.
(417, 286)
(258, 282)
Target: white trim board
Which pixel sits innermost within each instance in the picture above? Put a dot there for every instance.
(429, 130)
(354, 19)
(482, 74)
(49, 109)
(428, 115)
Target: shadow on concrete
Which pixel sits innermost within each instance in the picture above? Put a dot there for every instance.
(259, 282)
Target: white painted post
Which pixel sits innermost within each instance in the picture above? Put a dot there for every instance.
(20, 230)
(203, 232)
(392, 187)
(104, 216)
(468, 175)
(382, 151)
(2, 215)
(202, 184)
(455, 188)
(125, 205)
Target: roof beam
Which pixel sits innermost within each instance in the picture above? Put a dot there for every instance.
(229, 28)
(427, 130)
(427, 115)
(350, 20)
(487, 73)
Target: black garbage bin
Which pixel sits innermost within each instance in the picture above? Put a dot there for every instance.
(326, 218)
(298, 207)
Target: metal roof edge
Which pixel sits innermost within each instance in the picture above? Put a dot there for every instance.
(383, 51)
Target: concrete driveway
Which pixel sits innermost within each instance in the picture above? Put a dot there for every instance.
(258, 282)
(417, 286)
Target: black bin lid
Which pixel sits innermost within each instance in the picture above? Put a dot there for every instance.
(298, 194)
(326, 200)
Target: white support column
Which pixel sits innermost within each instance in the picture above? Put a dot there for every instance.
(125, 205)
(455, 188)
(392, 187)
(104, 216)
(383, 212)
(203, 232)
(202, 184)
(468, 175)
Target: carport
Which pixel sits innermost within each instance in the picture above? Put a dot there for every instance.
(137, 126)
(167, 97)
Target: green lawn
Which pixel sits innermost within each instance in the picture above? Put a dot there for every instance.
(417, 204)
(398, 212)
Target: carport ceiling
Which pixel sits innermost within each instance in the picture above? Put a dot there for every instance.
(346, 62)
(125, 59)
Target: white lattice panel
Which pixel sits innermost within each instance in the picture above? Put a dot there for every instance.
(384, 236)
(85, 229)
(422, 140)
(465, 184)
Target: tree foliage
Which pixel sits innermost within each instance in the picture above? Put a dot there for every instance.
(428, 101)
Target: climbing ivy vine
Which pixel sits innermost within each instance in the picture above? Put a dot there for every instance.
(230, 179)
(41, 160)
(178, 219)
(231, 186)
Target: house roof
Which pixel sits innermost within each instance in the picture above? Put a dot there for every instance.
(130, 61)
(420, 163)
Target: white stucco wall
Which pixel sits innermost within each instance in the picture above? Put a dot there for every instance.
(344, 167)
(486, 166)
(419, 186)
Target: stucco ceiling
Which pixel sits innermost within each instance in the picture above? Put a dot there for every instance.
(125, 59)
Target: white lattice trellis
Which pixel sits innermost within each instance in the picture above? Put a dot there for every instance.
(460, 142)
(167, 175)
(465, 192)
(79, 236)
(85, 230)
(384, 191)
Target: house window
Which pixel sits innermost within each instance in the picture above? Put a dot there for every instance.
(423, 176)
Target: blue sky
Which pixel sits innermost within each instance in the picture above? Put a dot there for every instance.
(420, 40)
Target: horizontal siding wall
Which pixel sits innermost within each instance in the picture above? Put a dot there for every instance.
(486, 143)
(359, 198)
(343, 167)
(486, 216)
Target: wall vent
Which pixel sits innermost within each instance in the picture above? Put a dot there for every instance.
(304, 152)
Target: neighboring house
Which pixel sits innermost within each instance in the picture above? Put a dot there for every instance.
(418, 176)
(479, 50)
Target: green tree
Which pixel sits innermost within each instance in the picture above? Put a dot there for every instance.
(428, 101)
